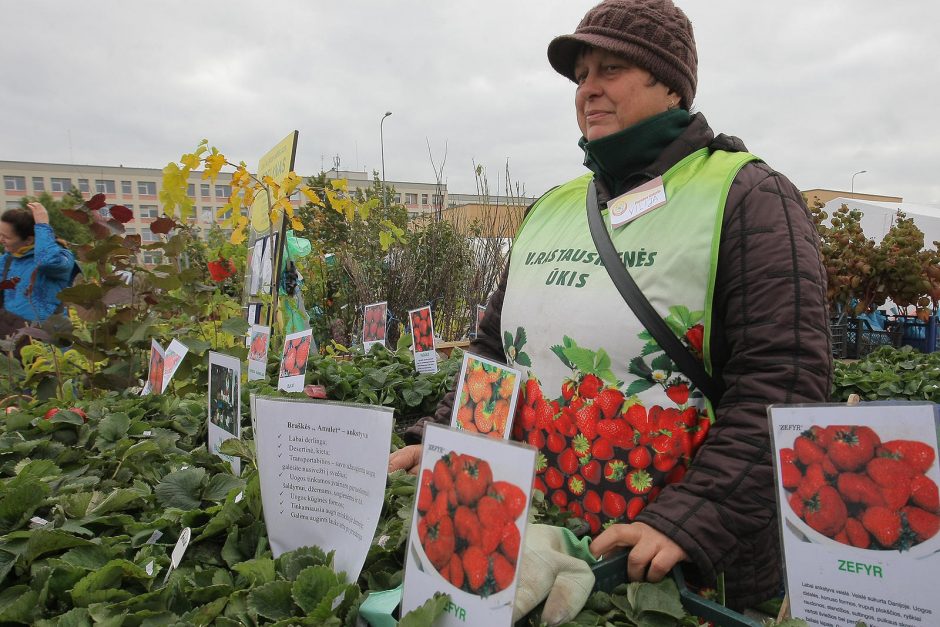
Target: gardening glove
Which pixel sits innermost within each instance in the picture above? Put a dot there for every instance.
(556, 569)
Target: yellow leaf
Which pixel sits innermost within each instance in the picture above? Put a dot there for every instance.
(311, 196)
(290, 183)
(365, 211)
(238, 236)
(214, 163)
(339, 184)
(284, 203)
(221, 211)
(296, 224)
(191, 161)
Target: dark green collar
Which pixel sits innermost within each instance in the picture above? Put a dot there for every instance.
(616, 157)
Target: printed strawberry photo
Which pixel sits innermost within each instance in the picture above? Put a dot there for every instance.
(487, 394)
(373, 323)
(853, 485)
(258, 349)
(422, 329)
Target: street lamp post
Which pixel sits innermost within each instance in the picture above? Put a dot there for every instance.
(853, 178)
(382, 144)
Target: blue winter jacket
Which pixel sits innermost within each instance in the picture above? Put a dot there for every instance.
(55, 269)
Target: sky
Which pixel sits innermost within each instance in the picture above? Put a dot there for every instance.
(819, 90)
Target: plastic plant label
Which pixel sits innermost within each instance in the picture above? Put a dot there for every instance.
(239, 497)
(149, 568)
(177, 555)
(156, 535)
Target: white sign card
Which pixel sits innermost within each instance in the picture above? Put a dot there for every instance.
(481, 310)
(422, 332)
(155, 373)
(294, 361)
(172, 359)
(267, 261)
(857, 495)
(225, 373)
(323, 467)
(489, 405)
(255, 256)
(258, 339)
(373, 325)
(471, 554)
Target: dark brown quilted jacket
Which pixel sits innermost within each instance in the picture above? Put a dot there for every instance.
(770, 344)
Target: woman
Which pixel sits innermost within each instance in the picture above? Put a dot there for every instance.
(34, 266)
(730, 260)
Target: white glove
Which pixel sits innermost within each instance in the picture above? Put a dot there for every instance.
(554, 570)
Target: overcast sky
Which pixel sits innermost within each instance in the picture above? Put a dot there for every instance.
(820, 90)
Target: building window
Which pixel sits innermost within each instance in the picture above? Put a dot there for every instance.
(14, 183)
(191, 190)
(39, 184)
(126, 188)
(397, 199)
(146, 188)
(149, 211)
(204, 190)
(207, 214)
(130, 231)
(223, 191)
(83, 186)
(411, 199)
(424, 199)
(61, 185)
(13, 204)
(104, 186)
(152, 257)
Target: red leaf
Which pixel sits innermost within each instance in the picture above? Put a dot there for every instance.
(116, 226)
(96, 202)
(77, 215)
(100, 230)
(122, 214)
(221, 269)
(162, 226)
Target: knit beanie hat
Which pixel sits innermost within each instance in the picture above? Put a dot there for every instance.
(654, 34)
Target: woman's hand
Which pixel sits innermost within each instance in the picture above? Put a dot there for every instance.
(40, 215)
(406, 458)
(652, 555)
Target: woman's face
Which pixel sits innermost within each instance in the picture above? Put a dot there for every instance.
(10, 240)
(613, 94)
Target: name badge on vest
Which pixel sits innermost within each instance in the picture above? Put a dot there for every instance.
(636, 202)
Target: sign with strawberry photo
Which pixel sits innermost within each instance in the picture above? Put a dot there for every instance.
(467, 529)
(859, 510)
(154, 383)
(294, 361)
(373, 325)
(486, 397)
(258, 340)
(172, 359)
(422, 332)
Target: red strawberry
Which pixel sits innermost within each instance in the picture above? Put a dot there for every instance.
(918, 455)
(884, 524)
(678, 393)
(594, 521)
(538, 484)
(526, 417)
(560, 498)
(491, 512)
(467, 525)
(858, 488)
(807, 450)
(443, 480)
(555, 442)
(787, 455)
(924, 524)
(586, 418)
(483, 416)
(796, 504)
(454, 571)
(664, 462)
(592, 502)
(592, 471)
(639, 457)
(791, 475)
(615, 470)
(537, 439)
(473, 480)
(639, 481)
(436, 534)
(544, 415)
(590, 386)
(576, 509)
(568, 389)
(568, 462)
(576, 485)
(613, 504)
(609, 401)
(825, 511)
(511, 496)
(889, 472)
(602, 449)
(581, 446)
(634, 507)
(857, 535)
(638, 419)
(615, 430)
(533, 392)
(503, 572)
(479, 385)
(850, 448)
(475, 566)
(564, 423)
(509, 541)
(701, 430)
(924, 493)
(897, 496)
(553, 478)
(813, 479)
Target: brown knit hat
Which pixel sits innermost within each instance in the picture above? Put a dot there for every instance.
(654, 34)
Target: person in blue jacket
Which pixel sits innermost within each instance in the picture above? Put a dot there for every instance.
(38, 264)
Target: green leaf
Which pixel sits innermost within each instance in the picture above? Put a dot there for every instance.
(6, 564)
(312, 584)
(639, 368)
(523, 359)
(520, 338)
(113, 427)
(638, 387)
(18, 604)
(89, 557)
(649, 348)
(560, 351)
(108, 583)
(220, 485)
(235, 326)
(117, 500)
(272, 600)
(18, 500)
(292, 563)
(43, 541)
(238, 448)
(662, 362)
(181, 489)
(659, 598)
(206, 614)
(257, 571)
(580, 358)
(425, 615)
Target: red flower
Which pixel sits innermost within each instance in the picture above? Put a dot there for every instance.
(695, 336)
(221, 269)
